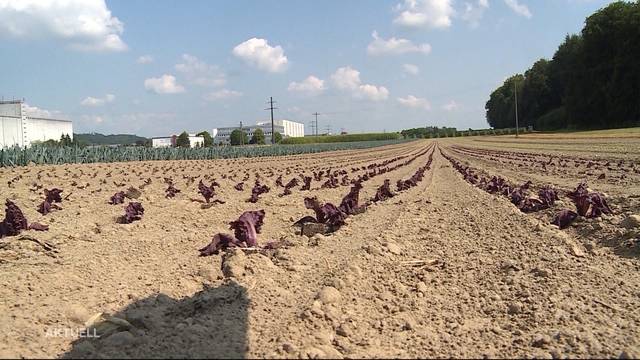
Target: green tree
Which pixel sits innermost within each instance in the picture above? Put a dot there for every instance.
(183, 140)
(501, 105)
(65, 140)
(537, 96)
(277, 137)
(592, 81)
(208, 140)
(238, 137)
(258, 137)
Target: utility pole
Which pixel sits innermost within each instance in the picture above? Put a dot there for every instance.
(313, 127)
(316, 123)
(515, 91)
(271, 102)
(241, 134)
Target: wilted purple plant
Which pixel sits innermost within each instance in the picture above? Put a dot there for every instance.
(117, 198)
(564, 218)
(207, 192)
(383, 192)
(257, 191)
(350, 203)
(171, 191)
(245, 229)
(290, 185)
(307, 183)
(15, 221)
(132, 212)
(53, 195)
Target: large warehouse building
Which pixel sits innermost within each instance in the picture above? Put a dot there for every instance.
(286, 128)
(223, 135)
(20, 127)
(291, 128)
(170, 141)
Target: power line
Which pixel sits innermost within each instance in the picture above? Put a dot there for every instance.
(314, 126)
(515, 91)
(273, 133)
(241, 135)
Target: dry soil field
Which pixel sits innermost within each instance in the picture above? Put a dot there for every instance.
(444, 268)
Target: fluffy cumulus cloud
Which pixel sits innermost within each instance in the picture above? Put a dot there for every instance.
(166, 84)
(411, 69)
(145, 59)
(519, 8)
(257, 52)
(91, 101)
(309, 86)
(199, 72)
(222, 95)
(348, 79)
(394, 46)
(473, 12)
(415, 102)
(434, 14)
(85, 24)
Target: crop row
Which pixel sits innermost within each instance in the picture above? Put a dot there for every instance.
(66, 155)
(588, 204)
(523, 159)
(328, 217)
(15, 221)
(329, 178)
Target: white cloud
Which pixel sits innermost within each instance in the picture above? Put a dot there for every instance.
(86, 24)
(200, 73)
(450, 106)
(309, 86)
(473, 12)
(434, 14)
(166, 84)
(415, 102)
(518, 8)
(348, 79)
(258, 53)
(411, 69)
(145, 59)
(394, 46)
(372, 92)
(91, 101)
(34, 111)
(222, 95)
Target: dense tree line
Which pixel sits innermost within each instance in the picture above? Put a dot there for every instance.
(592, 81)
(428, 132)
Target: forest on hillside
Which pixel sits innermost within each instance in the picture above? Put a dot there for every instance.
(592, 81)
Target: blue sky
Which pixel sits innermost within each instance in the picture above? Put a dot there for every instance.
(157, 68)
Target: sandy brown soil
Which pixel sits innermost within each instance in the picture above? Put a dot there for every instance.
(441, 270)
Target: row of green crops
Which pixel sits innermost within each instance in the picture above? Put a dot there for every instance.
(67, 155)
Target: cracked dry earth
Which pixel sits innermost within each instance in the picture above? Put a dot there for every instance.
(441, 270)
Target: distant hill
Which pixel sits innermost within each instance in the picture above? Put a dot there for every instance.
(114, 139)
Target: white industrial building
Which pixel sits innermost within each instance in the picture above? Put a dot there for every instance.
(223, 135)
(286, 128)
(291, 128)
(194, 141)
(21, 127)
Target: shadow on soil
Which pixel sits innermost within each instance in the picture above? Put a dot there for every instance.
(210, 324)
